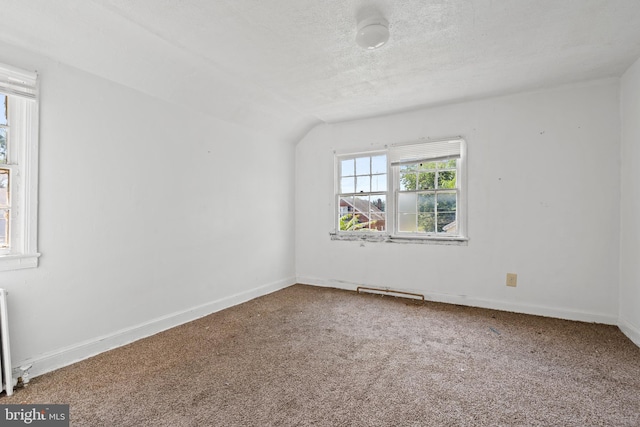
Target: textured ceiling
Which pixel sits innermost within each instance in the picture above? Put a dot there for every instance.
(284, 65)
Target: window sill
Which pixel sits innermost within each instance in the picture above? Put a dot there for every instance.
(386, 238)
(18, 262)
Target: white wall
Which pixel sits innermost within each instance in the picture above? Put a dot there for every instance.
(150, 215)
(543, 203)
(630, 206)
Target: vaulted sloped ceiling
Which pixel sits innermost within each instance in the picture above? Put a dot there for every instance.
(280, 66)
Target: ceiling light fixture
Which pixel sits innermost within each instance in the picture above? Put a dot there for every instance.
(372, 32)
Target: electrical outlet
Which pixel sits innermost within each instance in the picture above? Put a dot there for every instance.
(512, 279)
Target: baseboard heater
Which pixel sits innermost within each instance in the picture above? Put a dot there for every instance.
(5, 349)
(378, 291)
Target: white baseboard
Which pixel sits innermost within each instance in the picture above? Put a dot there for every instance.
(83, 350)
(557, 312)
(630, 330)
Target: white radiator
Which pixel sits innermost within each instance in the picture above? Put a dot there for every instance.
(5, 349)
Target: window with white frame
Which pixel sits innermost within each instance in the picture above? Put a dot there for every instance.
(18, 168)
(362, 192)
(405, 192)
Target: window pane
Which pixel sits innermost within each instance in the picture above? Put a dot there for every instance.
(4, 188)
(3, 109)
(407, 202)
(372, 216)
(361, 212)
(363, 184)
(378, 217)
(446, 202)
(449, 164)
(408, 181)
(447, 223)
(4, 228)
(346, 204)
(379, 203)
(3, 145)
(362, 204)
(407, 223)
(427, 222)
(348, 222)
(446, 211)
(426, 180)
(379, 183)
(348, 185)
(347, 167)
(363, 165)
(379, 164)
(345, 212)
(447, 179)
(426, 203)
(377, 221)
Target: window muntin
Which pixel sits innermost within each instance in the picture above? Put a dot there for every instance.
(362, 193)
(419, 188)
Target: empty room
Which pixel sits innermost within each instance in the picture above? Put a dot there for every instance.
(294, 212)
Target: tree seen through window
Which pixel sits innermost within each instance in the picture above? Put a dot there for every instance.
(427, 199)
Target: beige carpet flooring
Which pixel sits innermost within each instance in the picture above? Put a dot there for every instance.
(324, 357)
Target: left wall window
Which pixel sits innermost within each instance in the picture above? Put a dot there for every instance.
(18, 168)
(362, 193)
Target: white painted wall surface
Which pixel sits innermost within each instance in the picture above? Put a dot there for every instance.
(150, 215)
(630, 205)
(543, 202)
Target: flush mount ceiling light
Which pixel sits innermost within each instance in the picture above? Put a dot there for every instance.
(372, 32)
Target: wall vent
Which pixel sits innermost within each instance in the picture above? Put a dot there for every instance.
(391, 292)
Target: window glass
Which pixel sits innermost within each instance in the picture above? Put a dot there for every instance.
(3, 109)
(407, 202)
(379, 183)
(4, 187)
(4, 228)
(3, 145)
(4, 208)
(426, 180)
(379, 164)
(446, 212)
(407, 182)
(379, 202)
(363, 184)
(347, 167)
(363, 165)
(447, 179)
(426, 222)
(426, 202)
(348, 185)
(407, 223)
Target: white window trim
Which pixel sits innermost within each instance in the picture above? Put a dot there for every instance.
(391, 235)
(22, 88)
(346, 156)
